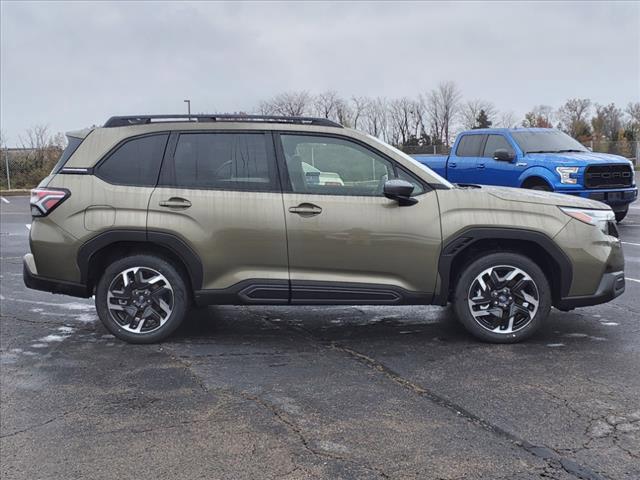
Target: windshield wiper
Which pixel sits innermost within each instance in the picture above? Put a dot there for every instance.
(556, 151)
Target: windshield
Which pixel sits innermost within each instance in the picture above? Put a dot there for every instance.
(413, 160)
(546, 141)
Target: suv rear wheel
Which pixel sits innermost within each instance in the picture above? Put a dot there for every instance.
(141, 298)
(502, 298)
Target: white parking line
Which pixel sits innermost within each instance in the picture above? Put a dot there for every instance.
(632, 279)
(631, 243)
(5, 200)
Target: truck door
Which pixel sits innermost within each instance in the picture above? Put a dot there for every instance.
(497, 172)
(462, 166)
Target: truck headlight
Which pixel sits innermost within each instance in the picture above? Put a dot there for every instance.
(597, 218)
(568, 174)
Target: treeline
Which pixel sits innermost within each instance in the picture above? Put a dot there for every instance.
(33, 160)
(433, 118)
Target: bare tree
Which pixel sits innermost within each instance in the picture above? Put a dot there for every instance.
(36, 138)
(40, 147)
(507, 120)
(607, 122)
(343, 112)
(470, 110)
(541, 116)
(376, 119)
(574, 116)
(326, 103)
(633, 110)
(441, 106)
(402, 112)
(359, 108)
(293, 104)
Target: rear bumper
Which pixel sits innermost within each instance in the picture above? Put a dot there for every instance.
(36, 282)
(617, 199)
(611, 286)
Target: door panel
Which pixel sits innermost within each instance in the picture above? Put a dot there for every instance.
(237, 235)
(347, 242)
(495, 172)
(220, 192)
(368, 240)
(464, 165)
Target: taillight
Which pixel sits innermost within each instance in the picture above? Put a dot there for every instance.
(45, 200)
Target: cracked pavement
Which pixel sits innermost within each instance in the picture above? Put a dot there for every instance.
(314, 392)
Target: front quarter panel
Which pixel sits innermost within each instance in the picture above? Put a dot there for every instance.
(463, 208)
(538, 172)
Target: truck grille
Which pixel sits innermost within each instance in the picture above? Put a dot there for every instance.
(607, 176)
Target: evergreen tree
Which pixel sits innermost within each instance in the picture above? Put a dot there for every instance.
(482, 121)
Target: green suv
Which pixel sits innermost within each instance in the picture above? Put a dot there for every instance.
(153, 214)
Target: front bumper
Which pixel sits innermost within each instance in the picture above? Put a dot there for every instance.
(611, 286)
(617, 199)
(34, 281)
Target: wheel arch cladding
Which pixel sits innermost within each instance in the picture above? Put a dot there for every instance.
(96, 252)
(468, 244)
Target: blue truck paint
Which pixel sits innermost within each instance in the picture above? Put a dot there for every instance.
(528, 169)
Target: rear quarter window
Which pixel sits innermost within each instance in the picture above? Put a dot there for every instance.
(136, 162)
(470, 146)
(72, 145)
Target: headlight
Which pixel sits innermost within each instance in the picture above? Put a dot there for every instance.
(597, 218)
(568, 174)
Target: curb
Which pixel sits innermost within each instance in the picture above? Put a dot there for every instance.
(15, 192)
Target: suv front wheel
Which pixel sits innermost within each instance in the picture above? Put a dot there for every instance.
(502, 298)
(141, 298)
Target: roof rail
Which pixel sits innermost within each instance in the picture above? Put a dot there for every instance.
(128, 120)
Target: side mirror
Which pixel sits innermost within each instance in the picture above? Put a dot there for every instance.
(503, 155)
(400, 191)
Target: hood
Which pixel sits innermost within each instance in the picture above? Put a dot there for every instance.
(543, 198)
(578, 159)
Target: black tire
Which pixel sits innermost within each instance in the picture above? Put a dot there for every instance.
(467, 280)
(621, 214)
(542, 187)
(176, 294)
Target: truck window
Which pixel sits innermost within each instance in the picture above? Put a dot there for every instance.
(470, 146)
(496, 142)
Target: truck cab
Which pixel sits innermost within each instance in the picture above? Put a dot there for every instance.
(540, 159)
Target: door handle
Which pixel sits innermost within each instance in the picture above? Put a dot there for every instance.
(480, 165)
(306, 210)
(452, 165)
(175, 202)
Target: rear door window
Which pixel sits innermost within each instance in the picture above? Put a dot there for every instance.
(470, 146)
(136, 162)
(228, 161)
(497, 142)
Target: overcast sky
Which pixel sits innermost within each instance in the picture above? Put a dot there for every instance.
(74, 64)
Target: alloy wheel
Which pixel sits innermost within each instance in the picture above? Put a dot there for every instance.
(140, 299)
(503, 299)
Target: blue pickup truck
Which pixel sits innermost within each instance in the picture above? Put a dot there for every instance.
(540, 159)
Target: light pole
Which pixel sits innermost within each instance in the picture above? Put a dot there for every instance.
(188, 102)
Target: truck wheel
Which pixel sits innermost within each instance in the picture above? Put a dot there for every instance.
(621, 214)
(142, 299)
(502, 298)
(544, 188)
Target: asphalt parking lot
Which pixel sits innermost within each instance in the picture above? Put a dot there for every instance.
(314, 392)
